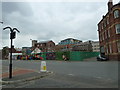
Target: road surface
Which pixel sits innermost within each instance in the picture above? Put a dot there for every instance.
(70, 74)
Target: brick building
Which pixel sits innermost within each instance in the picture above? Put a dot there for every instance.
(6, 52)
(45, 46)
(0, 54)
(109, 32)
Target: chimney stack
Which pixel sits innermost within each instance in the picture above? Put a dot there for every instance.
(110, 5)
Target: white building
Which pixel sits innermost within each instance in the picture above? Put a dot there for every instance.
(95, 46)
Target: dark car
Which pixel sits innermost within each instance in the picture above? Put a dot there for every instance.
(102, 58)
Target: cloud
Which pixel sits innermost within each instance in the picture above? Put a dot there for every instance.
(21, 7)
(52, 21)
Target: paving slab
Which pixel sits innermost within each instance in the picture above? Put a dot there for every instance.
(22, 75)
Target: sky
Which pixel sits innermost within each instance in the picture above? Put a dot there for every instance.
(50, 20)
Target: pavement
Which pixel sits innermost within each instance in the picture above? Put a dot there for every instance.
(21, 75)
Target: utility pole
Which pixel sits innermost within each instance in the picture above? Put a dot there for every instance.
(12, 36)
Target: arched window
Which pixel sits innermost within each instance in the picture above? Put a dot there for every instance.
(118, 45)
(116, 14)
(117, 26)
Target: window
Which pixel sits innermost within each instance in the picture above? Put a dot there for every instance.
(107, 20)
(110, 47)
(101, 37)
(107, 49)
(118, 46)
(117, 26)
(108, 33)
(50, 45)
(102, 49)
(116, 14)
(102, 25)
(105, 34)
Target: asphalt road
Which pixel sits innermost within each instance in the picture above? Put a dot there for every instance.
(74, 74)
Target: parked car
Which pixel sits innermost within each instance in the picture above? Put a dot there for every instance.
(102, 58)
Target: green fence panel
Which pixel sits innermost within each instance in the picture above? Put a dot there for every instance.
(58, 55)
(67, 54)
(80, 56)
(76, 56)
(73, 55)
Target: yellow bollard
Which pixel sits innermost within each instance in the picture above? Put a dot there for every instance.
(43, 66)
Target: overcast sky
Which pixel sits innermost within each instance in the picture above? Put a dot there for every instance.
(55, 21)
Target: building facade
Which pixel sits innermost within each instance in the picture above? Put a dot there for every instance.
(95, 46)
(67, 44)
(0, 54)
(34, 42)
(69, 41)
(84, 46)
(46, 46)
(109, 32)
(26, 50)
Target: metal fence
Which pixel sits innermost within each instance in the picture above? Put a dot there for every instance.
(70, 55)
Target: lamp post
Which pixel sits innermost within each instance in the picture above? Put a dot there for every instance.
(1, 22)
(31, 41)
(12, 36)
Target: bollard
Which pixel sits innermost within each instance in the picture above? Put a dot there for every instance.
(43, 66)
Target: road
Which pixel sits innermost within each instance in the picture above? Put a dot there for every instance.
(71, 74)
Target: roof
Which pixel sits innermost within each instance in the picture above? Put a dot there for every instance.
(108, 12)
(116, 4)
(70, 39)
(46, 41)
(36, 50)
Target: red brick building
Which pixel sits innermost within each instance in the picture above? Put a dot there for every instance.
(46, 46)
(109, 32)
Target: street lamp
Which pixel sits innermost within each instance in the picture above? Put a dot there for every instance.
(12, 36)
(31, 40)
(1, 22)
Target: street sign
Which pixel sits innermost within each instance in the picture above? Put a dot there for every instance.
(12, 35)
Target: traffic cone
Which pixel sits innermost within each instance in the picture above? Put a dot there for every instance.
(43, 66)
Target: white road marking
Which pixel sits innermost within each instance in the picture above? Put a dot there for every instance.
(98, 77)
(71, 74)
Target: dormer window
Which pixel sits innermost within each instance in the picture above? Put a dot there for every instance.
(116, 14)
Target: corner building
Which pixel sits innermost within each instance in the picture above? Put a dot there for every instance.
(109, 32)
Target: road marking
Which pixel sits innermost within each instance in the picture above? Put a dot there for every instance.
(71, 74)
(98, 77)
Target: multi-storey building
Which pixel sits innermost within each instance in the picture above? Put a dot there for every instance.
(84, 46)
(109, 32)
(69, 41)
(95, 46)
(67, 44)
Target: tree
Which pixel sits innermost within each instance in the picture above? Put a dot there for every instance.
(5, 52)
